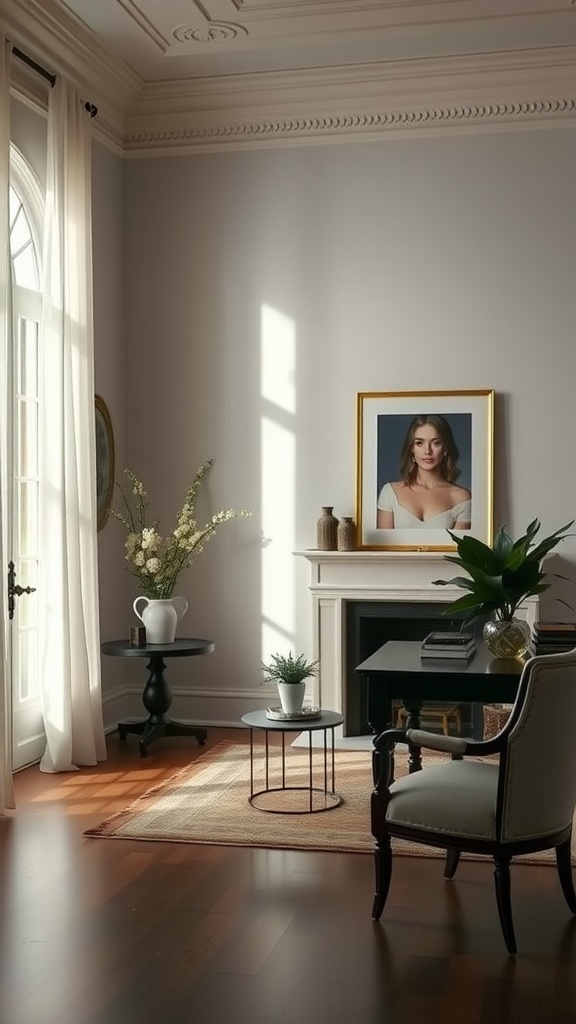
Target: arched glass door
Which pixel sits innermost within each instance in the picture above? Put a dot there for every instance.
(23, 471)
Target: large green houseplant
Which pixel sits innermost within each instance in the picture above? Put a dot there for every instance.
(499, 579)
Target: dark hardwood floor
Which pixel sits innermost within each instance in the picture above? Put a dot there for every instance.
(100, 931)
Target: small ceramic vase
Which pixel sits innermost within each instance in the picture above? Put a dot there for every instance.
(347, 534)
(327, 530)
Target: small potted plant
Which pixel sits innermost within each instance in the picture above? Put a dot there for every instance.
(290, 674)
(499, 579)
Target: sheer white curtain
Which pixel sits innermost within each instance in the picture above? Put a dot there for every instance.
(6, 787)
(69, 631)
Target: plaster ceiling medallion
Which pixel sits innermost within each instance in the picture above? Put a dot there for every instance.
(215, 32)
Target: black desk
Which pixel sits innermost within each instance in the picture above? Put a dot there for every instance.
(397, 671)
(157, 696)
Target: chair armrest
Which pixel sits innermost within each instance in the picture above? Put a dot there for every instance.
(437, 741)
(388, 738)
(384, 744)
(455, 744)
(383, 756)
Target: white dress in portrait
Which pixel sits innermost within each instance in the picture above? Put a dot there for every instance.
(406, 520)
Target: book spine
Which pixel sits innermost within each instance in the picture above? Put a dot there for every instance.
(447, 655)
(452, 650)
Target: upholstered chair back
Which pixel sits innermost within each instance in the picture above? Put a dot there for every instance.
(538, 782)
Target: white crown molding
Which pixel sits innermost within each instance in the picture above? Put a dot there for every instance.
(357, 127)
(521, 88)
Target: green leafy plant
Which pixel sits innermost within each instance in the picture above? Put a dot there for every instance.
(157, 561)
(288, 669)
(502, 576)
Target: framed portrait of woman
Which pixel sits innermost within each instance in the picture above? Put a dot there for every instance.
(424, 466)
(105, 459)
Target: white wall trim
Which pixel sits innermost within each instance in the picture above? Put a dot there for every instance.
(205, 707)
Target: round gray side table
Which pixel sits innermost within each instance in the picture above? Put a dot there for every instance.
(320, 765)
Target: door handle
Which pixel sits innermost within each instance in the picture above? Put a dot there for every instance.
(14, 589)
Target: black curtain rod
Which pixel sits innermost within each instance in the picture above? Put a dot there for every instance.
(33, 64)
(89, 107)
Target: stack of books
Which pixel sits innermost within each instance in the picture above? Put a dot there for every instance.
(552, 637)
(448, 645)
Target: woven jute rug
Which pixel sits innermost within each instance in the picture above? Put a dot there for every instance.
(207, 802)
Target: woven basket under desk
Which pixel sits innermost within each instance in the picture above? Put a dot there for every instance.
(495, 718)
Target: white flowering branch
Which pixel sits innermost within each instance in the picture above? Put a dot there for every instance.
(158, 561)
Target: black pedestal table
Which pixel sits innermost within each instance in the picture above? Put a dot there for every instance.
(157, 696)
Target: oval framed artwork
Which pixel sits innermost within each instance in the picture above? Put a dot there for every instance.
(104, 461)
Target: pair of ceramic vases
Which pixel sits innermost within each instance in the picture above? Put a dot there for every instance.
(334, 534)
(160, 617)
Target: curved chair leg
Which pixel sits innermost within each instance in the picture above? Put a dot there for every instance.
(502, 883)
(452, 858)
(383, 874)
(564, 866)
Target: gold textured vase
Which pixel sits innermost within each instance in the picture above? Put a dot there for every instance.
(506, 639)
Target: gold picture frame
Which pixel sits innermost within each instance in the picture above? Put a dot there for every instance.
(384, 420)
(105, 462)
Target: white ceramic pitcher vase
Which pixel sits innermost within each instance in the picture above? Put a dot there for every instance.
(160, 617)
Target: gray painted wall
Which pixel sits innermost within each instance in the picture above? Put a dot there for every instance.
(264, 289)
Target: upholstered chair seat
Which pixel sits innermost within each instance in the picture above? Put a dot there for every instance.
(515, 795)
(439, 799)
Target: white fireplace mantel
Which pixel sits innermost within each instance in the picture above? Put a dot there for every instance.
(340, 576)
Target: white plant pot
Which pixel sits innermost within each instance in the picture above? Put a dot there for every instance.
(291, 697)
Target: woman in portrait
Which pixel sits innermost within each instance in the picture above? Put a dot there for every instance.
(427, 495)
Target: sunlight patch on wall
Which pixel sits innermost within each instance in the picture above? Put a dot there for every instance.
(278, 468)
(278, 374)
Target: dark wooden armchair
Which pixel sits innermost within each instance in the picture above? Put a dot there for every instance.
(519, 802)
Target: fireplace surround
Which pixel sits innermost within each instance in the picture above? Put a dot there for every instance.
(361, 599)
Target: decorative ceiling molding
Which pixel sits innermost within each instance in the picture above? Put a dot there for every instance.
(144, 23)
(524, 88)
(351, 127)
(324, 105)
(215, 32)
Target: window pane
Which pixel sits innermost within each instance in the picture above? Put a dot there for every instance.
(27, 572)
(19, 232)
(27, 518)
(28, 653)
(28, 439)
(15, 205)
(28, 361)
(25, 268)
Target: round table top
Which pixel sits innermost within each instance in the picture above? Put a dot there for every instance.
(326, 720)
(184, 647)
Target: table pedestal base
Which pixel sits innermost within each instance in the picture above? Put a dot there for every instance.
(153, 729)
(157, 698)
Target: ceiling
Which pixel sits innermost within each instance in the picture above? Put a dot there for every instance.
(175, 40)
(177, 76)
